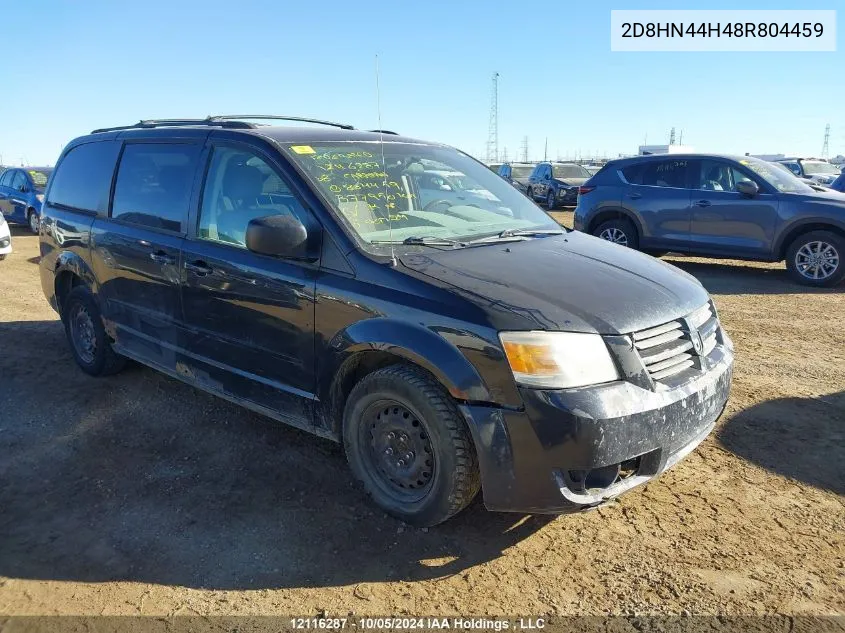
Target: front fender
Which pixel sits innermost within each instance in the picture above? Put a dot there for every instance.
(419, 345)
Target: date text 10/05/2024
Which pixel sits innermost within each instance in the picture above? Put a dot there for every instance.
(410, 623)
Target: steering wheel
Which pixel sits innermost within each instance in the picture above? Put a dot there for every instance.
(432, 206)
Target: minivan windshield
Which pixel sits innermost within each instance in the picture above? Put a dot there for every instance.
(394, 191)
(778, 178)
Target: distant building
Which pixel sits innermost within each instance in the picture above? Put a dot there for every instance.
(646, 150)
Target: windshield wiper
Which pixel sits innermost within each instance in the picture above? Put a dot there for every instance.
(517, 234)
(530, 232)
(426, 240)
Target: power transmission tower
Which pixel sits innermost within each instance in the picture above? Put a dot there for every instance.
(672, 137)
(505, 154)
(493, 126)
(826, 146)
(524, 149)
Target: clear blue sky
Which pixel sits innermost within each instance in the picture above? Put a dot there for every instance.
(71, 67)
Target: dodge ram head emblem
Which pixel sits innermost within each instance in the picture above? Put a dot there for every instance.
(697, 343)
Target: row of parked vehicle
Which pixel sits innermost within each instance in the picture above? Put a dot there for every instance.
(710, 205)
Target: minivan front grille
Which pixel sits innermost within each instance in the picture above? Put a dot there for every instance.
(668, 349)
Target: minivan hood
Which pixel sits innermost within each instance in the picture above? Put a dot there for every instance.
(572, 282)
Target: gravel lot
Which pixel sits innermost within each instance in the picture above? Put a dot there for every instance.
(140, 495)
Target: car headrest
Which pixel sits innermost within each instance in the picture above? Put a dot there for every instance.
(243, 182)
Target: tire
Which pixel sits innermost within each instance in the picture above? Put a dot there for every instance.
(34, 221)
(441, 476)
(2, 257)
(830, 269)
(89, 342)
(529, 193)
(624, 232)
(550, 200)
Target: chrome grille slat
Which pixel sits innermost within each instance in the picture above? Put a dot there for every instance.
(701, 316)
(654, 331)
(671, 335)
(672, 370)
(667, 349)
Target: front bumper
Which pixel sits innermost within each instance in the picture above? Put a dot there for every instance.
(568, 197)
(5, 239)
(574, 449)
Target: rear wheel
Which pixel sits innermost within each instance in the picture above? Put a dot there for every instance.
(815, 259)
(34, 221)
(89, 342)
(407, 442)
(619, 231)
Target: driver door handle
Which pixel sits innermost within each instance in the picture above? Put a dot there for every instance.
(199, 268)
(161, 257)
(702, 203)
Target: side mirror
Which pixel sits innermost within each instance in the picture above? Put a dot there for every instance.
(747, 188)
(23, 188)
(277, 235)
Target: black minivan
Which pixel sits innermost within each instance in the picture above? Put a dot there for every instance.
(453, 347)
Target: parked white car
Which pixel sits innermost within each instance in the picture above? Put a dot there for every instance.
(5, 238)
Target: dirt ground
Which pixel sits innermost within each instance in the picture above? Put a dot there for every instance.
(140, 495)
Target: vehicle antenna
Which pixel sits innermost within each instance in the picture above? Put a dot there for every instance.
(384, 169)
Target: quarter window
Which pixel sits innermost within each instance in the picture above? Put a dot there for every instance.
(240, 187)
(83, 178)
(153, 185)
(6, 178)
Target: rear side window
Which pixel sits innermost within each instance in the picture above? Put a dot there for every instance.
(83, 178)
(153, 185)
(661, 173)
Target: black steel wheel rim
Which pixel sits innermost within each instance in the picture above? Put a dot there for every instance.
(82, 334)
(397, 450)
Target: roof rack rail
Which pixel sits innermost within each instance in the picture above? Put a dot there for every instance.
(385, 132)
(152, 123)
(235, 117)
(227, 121)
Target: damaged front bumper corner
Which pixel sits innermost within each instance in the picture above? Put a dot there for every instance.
(575, 449)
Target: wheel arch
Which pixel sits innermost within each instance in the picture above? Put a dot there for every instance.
(614, 214)
(797, 230)
(372, 344)
(70, 271)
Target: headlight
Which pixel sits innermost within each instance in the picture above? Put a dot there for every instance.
(558, 360)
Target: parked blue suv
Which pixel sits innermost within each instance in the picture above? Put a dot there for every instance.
(719, 206)
(21, 194)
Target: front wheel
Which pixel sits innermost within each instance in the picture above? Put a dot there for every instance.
(89, 341)
(815, 259)
(409, 445)
(550, 200)
(529, 193)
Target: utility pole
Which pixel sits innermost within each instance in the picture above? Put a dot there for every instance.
(524, 149)
(826, 146)
(672, 136)
(493, 125)
(546, 150)
(505, 154)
